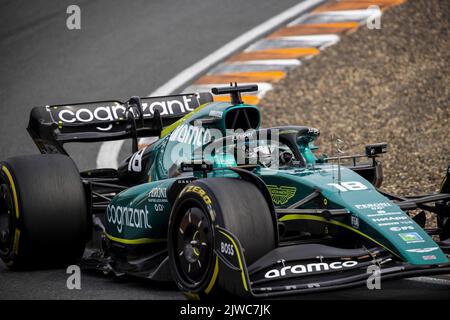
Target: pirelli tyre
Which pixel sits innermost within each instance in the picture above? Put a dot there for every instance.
(233, 204)
(43, 212)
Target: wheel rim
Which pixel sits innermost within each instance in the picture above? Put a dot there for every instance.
(6, 209)
(193, 246)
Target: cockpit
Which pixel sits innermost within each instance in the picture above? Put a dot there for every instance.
(271, 148)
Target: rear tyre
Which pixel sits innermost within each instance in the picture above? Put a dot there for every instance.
(236, 205)
(43, 212)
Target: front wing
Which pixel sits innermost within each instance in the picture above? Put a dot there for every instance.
(306, 268)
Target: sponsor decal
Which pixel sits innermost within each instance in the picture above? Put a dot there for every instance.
(227, 248)
(430, 257)
(355, 222)
(404, 228)
(386, 224)
(200, 192)
(127, 216)
(281, 194)
(135, 164)
(216, 114)
(373, 206)
(242, 135)
(158, 193)
(411, 237)
(348, 186)
(396, 219)
(189, 134)
(308, 268)
(116, 111)
(386, 219)
(423, 250)
(384, 214)
(185, 181)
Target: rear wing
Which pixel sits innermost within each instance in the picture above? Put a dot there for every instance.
(52, 126)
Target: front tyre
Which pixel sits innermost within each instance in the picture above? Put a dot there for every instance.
(233, 204)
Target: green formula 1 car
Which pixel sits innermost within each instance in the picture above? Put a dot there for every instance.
(216, 204)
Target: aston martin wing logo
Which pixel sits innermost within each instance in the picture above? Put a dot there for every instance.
(281, 194)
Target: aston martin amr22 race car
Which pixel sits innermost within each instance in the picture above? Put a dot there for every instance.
(216, 204)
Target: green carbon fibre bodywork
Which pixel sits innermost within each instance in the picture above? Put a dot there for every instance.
(140, 214)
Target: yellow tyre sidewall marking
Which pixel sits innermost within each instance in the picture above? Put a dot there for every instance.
(13, 188)
(15, 248)
(214, 277)
(207, 200)
(196, 252)
(16, 242)
(191, 295)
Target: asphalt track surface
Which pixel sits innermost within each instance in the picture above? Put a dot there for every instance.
(124, 48)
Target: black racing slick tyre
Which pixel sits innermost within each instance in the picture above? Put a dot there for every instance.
(43, 212)
(233, 204)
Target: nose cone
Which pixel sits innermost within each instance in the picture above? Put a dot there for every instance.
(374, 216)
(384, 221)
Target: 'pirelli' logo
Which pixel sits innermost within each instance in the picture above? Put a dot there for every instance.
(200, 192)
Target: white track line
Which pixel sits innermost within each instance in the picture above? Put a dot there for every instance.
(109, 151)
(307, 41)
(254, 65)
(201, 66)
(359, 15)
(280, 62)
